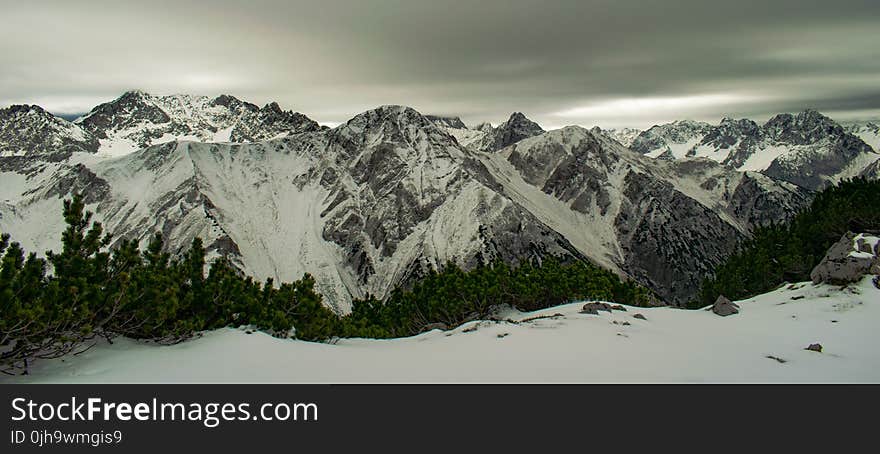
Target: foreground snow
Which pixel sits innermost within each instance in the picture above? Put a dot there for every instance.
(670, 346)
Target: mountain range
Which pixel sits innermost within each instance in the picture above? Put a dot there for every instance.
(808, 148)
(379, 200)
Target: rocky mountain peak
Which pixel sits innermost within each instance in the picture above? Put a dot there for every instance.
(128, 110)
(803, 128)
(389, 128)
(516, 128)
(232, 103)
(519, 121)
(272, 107)
(388, 116)
(729, 131)
(22, 109)
(138, 119)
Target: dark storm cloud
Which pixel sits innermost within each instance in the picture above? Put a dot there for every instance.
(562, 62)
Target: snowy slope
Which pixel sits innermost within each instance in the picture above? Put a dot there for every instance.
(765, 342)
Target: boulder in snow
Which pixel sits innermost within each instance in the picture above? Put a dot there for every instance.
(724, 307)
(815, 348)
(594, 308)
(852, 257)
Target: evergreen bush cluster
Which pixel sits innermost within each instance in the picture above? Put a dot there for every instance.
(788, 252)
(139, 294)
(452, 296)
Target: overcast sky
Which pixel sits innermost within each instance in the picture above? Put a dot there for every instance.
(607, 62)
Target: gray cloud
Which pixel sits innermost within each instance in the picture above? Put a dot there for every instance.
(607, 62)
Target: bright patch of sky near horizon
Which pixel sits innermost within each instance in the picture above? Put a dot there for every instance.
(608, 62)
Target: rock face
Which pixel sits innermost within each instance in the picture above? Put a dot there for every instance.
(848, 260)
(872, 172)
(807, 149)
(724, 307)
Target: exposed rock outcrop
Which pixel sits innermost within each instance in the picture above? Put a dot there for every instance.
(848, 260)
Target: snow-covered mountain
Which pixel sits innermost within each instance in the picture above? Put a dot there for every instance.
(365, 207)
(671, 140)
(378, 200)
(663, 223)
(808, 149)
(136, 120)
(30, 131)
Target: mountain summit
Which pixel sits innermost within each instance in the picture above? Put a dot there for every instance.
(516, 128)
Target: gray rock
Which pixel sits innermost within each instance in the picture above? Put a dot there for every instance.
(594, 308)
(639, 316)
(815, 348)
(847, 261)
(724, 307)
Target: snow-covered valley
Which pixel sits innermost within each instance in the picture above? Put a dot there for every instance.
(765, 342)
